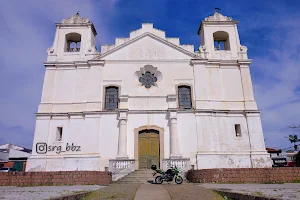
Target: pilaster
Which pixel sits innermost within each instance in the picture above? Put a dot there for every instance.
(122, 140)
(174, 140)
(250, 103)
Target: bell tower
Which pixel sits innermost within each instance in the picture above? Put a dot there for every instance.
(74, 40)
(219, 38)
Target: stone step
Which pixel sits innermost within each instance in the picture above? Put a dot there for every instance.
(131, 178)
(138, 176)
(136, 180)
(146, 172)
(122, 182)
(134, 174)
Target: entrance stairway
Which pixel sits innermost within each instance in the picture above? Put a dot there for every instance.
(138, 176)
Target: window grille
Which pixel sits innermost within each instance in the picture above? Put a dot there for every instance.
(184, 97)
(111, 98)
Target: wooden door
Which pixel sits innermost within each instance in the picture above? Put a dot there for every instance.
(148, 149)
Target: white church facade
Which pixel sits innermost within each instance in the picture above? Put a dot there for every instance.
(147, 99)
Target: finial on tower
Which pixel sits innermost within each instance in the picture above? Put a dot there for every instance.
(216, 9)
(75, 19)
(217, 17)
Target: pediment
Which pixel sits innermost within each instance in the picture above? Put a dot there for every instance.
(147, 47)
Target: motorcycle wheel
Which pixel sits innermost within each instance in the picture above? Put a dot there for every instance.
(178, 179)
(158, 180)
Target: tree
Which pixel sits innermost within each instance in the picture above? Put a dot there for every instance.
(297, 159)
(294, 139)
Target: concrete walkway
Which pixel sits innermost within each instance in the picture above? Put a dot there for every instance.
(280, 191)
(152, 191)
(43, 192)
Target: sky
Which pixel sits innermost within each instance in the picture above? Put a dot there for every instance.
(269, 28)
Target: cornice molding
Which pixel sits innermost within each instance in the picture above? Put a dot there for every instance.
(75, 64)
(198, 61)
(248, 113)
(147, 61)
(220, 63)
(96, 62)
(244, 63)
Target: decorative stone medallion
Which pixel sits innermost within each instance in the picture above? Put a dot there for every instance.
(148, 79)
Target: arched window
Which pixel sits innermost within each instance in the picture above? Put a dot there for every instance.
(221, 41)
(73, 41)
(184, 97)
(111, 97)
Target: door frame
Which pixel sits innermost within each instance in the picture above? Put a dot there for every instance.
(161, 143)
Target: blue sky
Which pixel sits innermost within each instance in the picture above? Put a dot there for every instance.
(270, 29)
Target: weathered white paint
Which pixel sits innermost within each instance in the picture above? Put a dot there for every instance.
(222, 96)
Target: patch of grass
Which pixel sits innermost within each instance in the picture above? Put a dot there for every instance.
(77, 192)
(293, 196)
(219, 196)
(257, 194)
(270, 182)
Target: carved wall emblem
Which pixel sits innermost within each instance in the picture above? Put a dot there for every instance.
(148, 76)
(148, 80)
(147, 53)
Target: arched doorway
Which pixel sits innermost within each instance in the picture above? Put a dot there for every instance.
(160, 133)
(149, 148)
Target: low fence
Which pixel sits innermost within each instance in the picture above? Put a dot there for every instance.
(121, 167)
(245, 175)
(55, 178)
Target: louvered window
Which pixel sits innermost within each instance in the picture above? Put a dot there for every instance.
(111, 98)
(184, 97)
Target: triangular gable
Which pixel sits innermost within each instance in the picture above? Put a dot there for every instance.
(152, 36)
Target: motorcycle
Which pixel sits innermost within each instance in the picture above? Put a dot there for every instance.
(168, 176)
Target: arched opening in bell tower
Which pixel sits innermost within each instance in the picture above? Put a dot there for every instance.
(221, 41)
(73, 41)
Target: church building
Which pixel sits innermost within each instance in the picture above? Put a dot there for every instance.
(147, 99)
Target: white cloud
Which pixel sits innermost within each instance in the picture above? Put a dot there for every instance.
(27, 30)
(276, 89)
